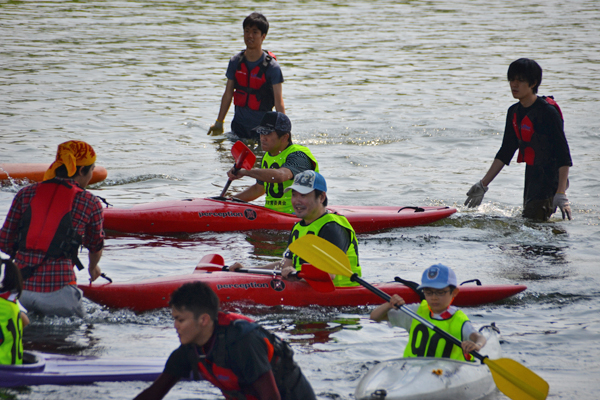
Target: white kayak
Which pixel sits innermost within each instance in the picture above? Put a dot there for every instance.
(428, 378)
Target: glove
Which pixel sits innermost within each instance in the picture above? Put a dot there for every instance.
(216, 128)
(560, 200)
(475, 195)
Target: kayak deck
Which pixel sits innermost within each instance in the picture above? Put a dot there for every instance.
(428, 378)
(57, 369)
(34, 172)
(247, 288)
(222, 215)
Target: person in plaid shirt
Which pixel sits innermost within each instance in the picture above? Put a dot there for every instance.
(51, 287)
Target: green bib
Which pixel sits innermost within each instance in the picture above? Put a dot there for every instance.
(275, 198)
(424, 342)
(11, 333)
(352, 253)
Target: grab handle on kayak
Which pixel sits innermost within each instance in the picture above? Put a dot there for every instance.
(417, 209)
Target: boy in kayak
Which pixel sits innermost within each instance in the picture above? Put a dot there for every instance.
(439, 286)
(230, 351)
(254, 82)
(13, 317)
(45, 226)
(535, 127)
(309, 199)
(281, 162)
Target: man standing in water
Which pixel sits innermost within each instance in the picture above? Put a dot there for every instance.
(534, 126)
(228, 350)
(254, 82)
(281, 162)
(46, 224)
(309, 198)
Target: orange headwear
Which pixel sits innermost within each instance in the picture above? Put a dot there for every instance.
(71, 154)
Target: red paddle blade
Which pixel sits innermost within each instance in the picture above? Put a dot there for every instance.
(317, 279)
(211, 262)
(243, 156)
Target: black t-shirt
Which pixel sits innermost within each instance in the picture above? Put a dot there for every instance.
(246, 355)
(332, 232)
(246, 358)
(296, 162)
(552, 149)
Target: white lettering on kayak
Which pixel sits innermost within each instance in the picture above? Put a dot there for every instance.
(227, 214)
(251, 285)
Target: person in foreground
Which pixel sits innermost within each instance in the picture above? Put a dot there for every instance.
(230, 351)
(440, 287)
(254, 82)
(13, 317)
(281, 162)
(534, 126)
(309, 198)
(46, 224)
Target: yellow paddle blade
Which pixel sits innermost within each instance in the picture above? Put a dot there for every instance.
(322, 254)
(517, 381)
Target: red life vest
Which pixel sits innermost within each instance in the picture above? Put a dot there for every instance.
(526, 131)
(251, 87)
(47, 226)
(213, 371)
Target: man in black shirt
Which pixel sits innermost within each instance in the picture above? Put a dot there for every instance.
(235, 354)
(534, 126)
(309, 199)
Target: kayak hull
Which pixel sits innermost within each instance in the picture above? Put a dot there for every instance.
(220, 215)
(428, 378)
(34, 172)
(56, 369)
(149, 294)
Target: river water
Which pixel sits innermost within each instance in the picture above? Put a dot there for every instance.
(402, 102)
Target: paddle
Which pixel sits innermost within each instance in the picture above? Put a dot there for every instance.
(244, 158)
(512, 378)
(317, 279)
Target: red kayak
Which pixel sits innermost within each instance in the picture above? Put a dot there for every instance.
(222, 215)
(270, 290)
(34, 172)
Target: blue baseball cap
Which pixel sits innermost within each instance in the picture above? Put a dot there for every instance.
(274, 121)
(438, 276)
(307, 181)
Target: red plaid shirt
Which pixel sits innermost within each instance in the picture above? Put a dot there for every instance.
(54, 273)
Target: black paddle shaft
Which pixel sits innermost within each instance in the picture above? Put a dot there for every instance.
(235, 170)
(414, 315)
(262, 272)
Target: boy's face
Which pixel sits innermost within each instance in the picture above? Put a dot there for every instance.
(520, 88)
(439, 299)
(191, 329)
(253, 37)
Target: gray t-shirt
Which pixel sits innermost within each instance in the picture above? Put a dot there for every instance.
(403, 320)
(244, 116)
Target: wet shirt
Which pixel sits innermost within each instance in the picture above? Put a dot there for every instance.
(249, 364)
(541, 179)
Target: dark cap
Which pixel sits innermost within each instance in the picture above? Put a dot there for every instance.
(274, 121)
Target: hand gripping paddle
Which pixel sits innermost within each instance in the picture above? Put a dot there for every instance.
(512, 378)
(244, 158)
(316, 279)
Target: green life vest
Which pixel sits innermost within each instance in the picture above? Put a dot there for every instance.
(276, 199)
(11, 333)
(424, 342)
(352, 252)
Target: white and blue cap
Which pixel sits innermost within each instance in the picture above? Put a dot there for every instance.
(274, 121)
(438, 276)
(307, 181)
